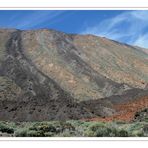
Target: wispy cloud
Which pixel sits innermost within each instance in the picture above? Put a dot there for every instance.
(35, 18)
(128, 27)
(142, 40)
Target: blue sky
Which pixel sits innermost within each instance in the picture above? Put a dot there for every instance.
(125, 26)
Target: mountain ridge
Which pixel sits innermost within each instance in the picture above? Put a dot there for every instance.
(52, 75)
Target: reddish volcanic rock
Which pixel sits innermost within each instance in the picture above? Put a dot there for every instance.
(126, 111)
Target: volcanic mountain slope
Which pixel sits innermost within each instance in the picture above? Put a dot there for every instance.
(50, 75)
(86, 66)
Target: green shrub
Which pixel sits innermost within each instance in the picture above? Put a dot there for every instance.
(136, 126)
(4, 128)
(138, 133)
(122, 133)
(111, 132)
(145, 128)
(49, 128)
(94, 126)
(104, 130)
(21, 132)
(67, 133)
(75, 129)
(48, 134)
(96, 130)
(66, 126)
(44, 127)
(32, 133)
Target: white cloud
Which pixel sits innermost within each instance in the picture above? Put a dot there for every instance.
(135, 21)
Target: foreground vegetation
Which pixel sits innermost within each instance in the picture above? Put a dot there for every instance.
(74, 129)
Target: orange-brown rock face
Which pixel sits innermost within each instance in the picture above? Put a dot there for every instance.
(125, 111)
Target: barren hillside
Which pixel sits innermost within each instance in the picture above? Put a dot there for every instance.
(50, 75)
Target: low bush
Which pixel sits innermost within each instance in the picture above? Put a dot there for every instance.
(4, 128)
(102, 130)
(75, 129)
(21, 132)
(122, 133)
(44, 127)
(138, 133)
